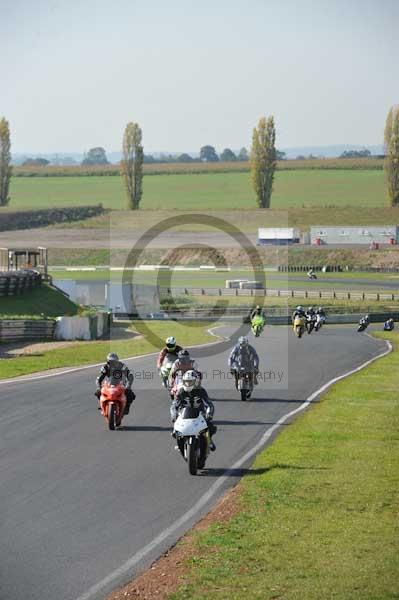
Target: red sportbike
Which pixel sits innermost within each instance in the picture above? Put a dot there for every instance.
(112, 403)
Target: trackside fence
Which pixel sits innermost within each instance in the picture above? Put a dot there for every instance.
(301, 294)
(14, 330)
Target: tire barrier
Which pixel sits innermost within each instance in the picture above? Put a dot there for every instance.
(13, 283)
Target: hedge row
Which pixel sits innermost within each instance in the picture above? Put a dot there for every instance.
(200, 167)
(28, 219)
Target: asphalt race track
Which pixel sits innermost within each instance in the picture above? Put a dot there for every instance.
(77, 501)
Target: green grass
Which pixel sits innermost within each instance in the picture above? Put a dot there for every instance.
(41, 301)
(206, 279)
(318, 515)
(294, 216)
(95, 352)
(206, 191)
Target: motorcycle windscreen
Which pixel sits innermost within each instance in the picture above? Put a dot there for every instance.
(190, 412)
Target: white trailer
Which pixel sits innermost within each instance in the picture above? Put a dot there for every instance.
(278, 236)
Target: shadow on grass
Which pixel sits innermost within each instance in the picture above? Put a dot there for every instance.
(218, 422)
(248, 471)
(253, 400)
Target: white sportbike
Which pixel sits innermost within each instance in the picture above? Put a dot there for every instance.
(192, 436)
(320, 320)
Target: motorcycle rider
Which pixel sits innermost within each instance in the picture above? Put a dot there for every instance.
(389, 325)
(320, 311)
(311, 274)
(118, 371)
(365, 320)
(183, 363)
(310, 313)
(192, 390)
(257, 312)
(171, 347)
(298, 312)
(244, 355)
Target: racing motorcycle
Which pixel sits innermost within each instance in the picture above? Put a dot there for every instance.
(312, 276)
(389, 325)
(299, 326)
(245, 383)
(320, 320)
(192, 436)
(310, 323)
(363, 324)
(165, 369)
(257, 325)
(112, 403)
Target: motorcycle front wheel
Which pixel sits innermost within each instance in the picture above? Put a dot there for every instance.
(111, 416)
(192, 457)
(202, 452)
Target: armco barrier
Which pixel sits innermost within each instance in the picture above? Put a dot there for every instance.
(302, 294)
(12, 330)
(278, 316)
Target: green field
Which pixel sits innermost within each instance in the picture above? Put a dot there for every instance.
(316, 517)
(302, 188)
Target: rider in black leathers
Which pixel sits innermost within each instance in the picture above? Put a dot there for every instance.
(192, 390)
(119, 371)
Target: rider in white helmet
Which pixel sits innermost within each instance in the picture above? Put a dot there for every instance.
(192, 389)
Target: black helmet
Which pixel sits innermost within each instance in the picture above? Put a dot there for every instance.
(184, 356)
(112, 357)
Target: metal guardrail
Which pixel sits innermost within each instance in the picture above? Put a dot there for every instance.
(302, 294)
(24, 329)
(274, 316)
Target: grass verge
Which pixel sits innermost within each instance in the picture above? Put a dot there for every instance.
(83, 353)
(318, 516)
(40, 302)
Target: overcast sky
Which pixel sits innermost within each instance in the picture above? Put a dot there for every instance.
(195, 72)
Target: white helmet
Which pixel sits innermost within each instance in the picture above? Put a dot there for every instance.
(170, 343)
(189, 380)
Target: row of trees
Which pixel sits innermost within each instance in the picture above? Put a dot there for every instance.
(97, 156)
(263, 162)
(263, 158)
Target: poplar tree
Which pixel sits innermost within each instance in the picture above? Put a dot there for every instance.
(5, 162)
(132, 164)
(263, 160)
(391, 140)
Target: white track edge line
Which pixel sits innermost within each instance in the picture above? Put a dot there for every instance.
(23, 379)
(136, 558)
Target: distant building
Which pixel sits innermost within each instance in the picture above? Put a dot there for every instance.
(361, 235)
(278, 236)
